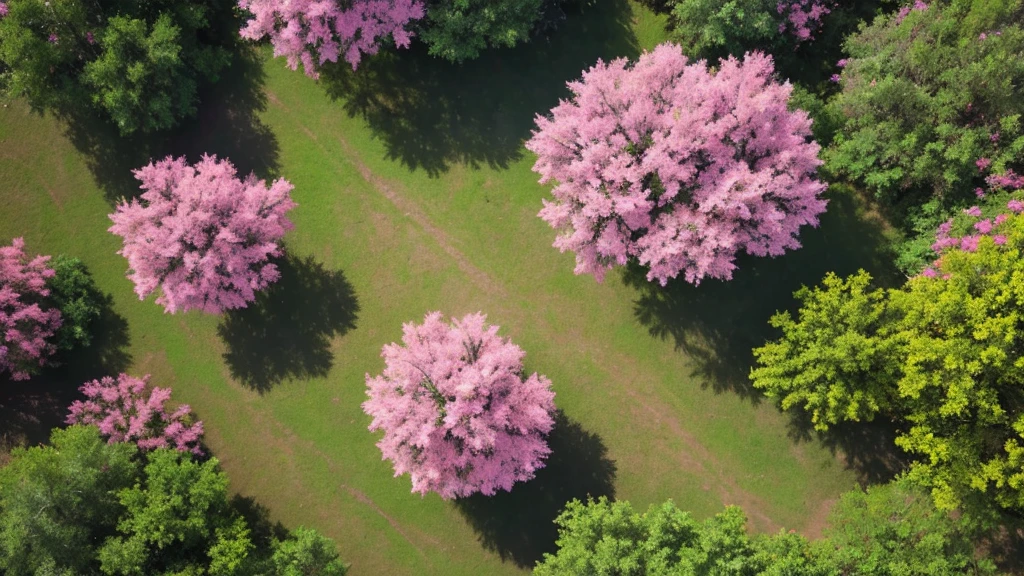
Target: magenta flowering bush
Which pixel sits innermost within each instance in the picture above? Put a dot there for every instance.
(124, 413)
(458, 413)
(27, 323)
(312, 32)
(202, 235)
(677, 166)
(802, 18)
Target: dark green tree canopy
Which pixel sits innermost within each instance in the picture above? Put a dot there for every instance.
(140, 62)
(82, 506)
(458, 30)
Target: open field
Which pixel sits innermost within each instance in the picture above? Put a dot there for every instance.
(415, 194)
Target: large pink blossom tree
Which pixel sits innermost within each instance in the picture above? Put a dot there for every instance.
(201, 234)
(677, 165)
(312, 32)
(124, 413)
(457, 411)
(27, 323)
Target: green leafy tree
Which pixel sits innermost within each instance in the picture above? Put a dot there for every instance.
(931, 101)
(458, 30)
(712, 28)
(612, 539)
(941, 355)
(173, 517)
(83, 506)
(307, 553)
(75, 294)
(140, 62)
(896, 529)
(57, 501)
(838, 359)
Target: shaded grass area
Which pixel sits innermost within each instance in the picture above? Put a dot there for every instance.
(431, 114)
(287, 332)
(519, 525)
(718, 323)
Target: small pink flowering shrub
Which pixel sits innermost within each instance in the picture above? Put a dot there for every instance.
(316, 31)
(457, 411)
(202, 235)
(27, 323)
(678, 166)
(802, 18)
(123, 413)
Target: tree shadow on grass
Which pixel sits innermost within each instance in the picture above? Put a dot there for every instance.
(30, 409)
(519, 525)
(430, 113)
(718, 323)
(227, 125)
(287, 331)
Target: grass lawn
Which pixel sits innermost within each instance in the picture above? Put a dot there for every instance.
(415, 194)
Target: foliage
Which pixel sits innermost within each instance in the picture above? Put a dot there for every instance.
(926, 93)
(610, 538)
(835, 360)
(139, 62)
(458, 30)
(886, 531)
(74, 293)
(896, 529)
(84, 506)
(123, 413)
(711, 28)
(677, 166)
(943, 358)
(316, 31)
(457, 412)
(305, 553)
(27, 322)
(174, 516)
(201, 234)
(56, 501)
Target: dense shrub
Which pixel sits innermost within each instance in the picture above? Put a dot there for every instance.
(458, 30)
(74, 293)
(140, 62)
(932, 98)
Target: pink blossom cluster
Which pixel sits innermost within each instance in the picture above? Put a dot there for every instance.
(202, 235)
(3, 9)
(317, 31)
(678, 166)
(803, 17)
(456, 410)
(1008, 180)
(26, 326)
(918, 6)
(123, 413)
(980, 226)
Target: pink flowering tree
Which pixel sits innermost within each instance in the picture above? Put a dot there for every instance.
(312, 32)
(124, 413)
(457, 411)
(27, 323)
(802, 18)
(201, 234)
(677, 166)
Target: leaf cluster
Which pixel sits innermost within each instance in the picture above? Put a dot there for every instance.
(457, 30)
(84, 506)
(139, 62)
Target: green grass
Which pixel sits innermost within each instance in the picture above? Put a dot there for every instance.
(415, 194)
